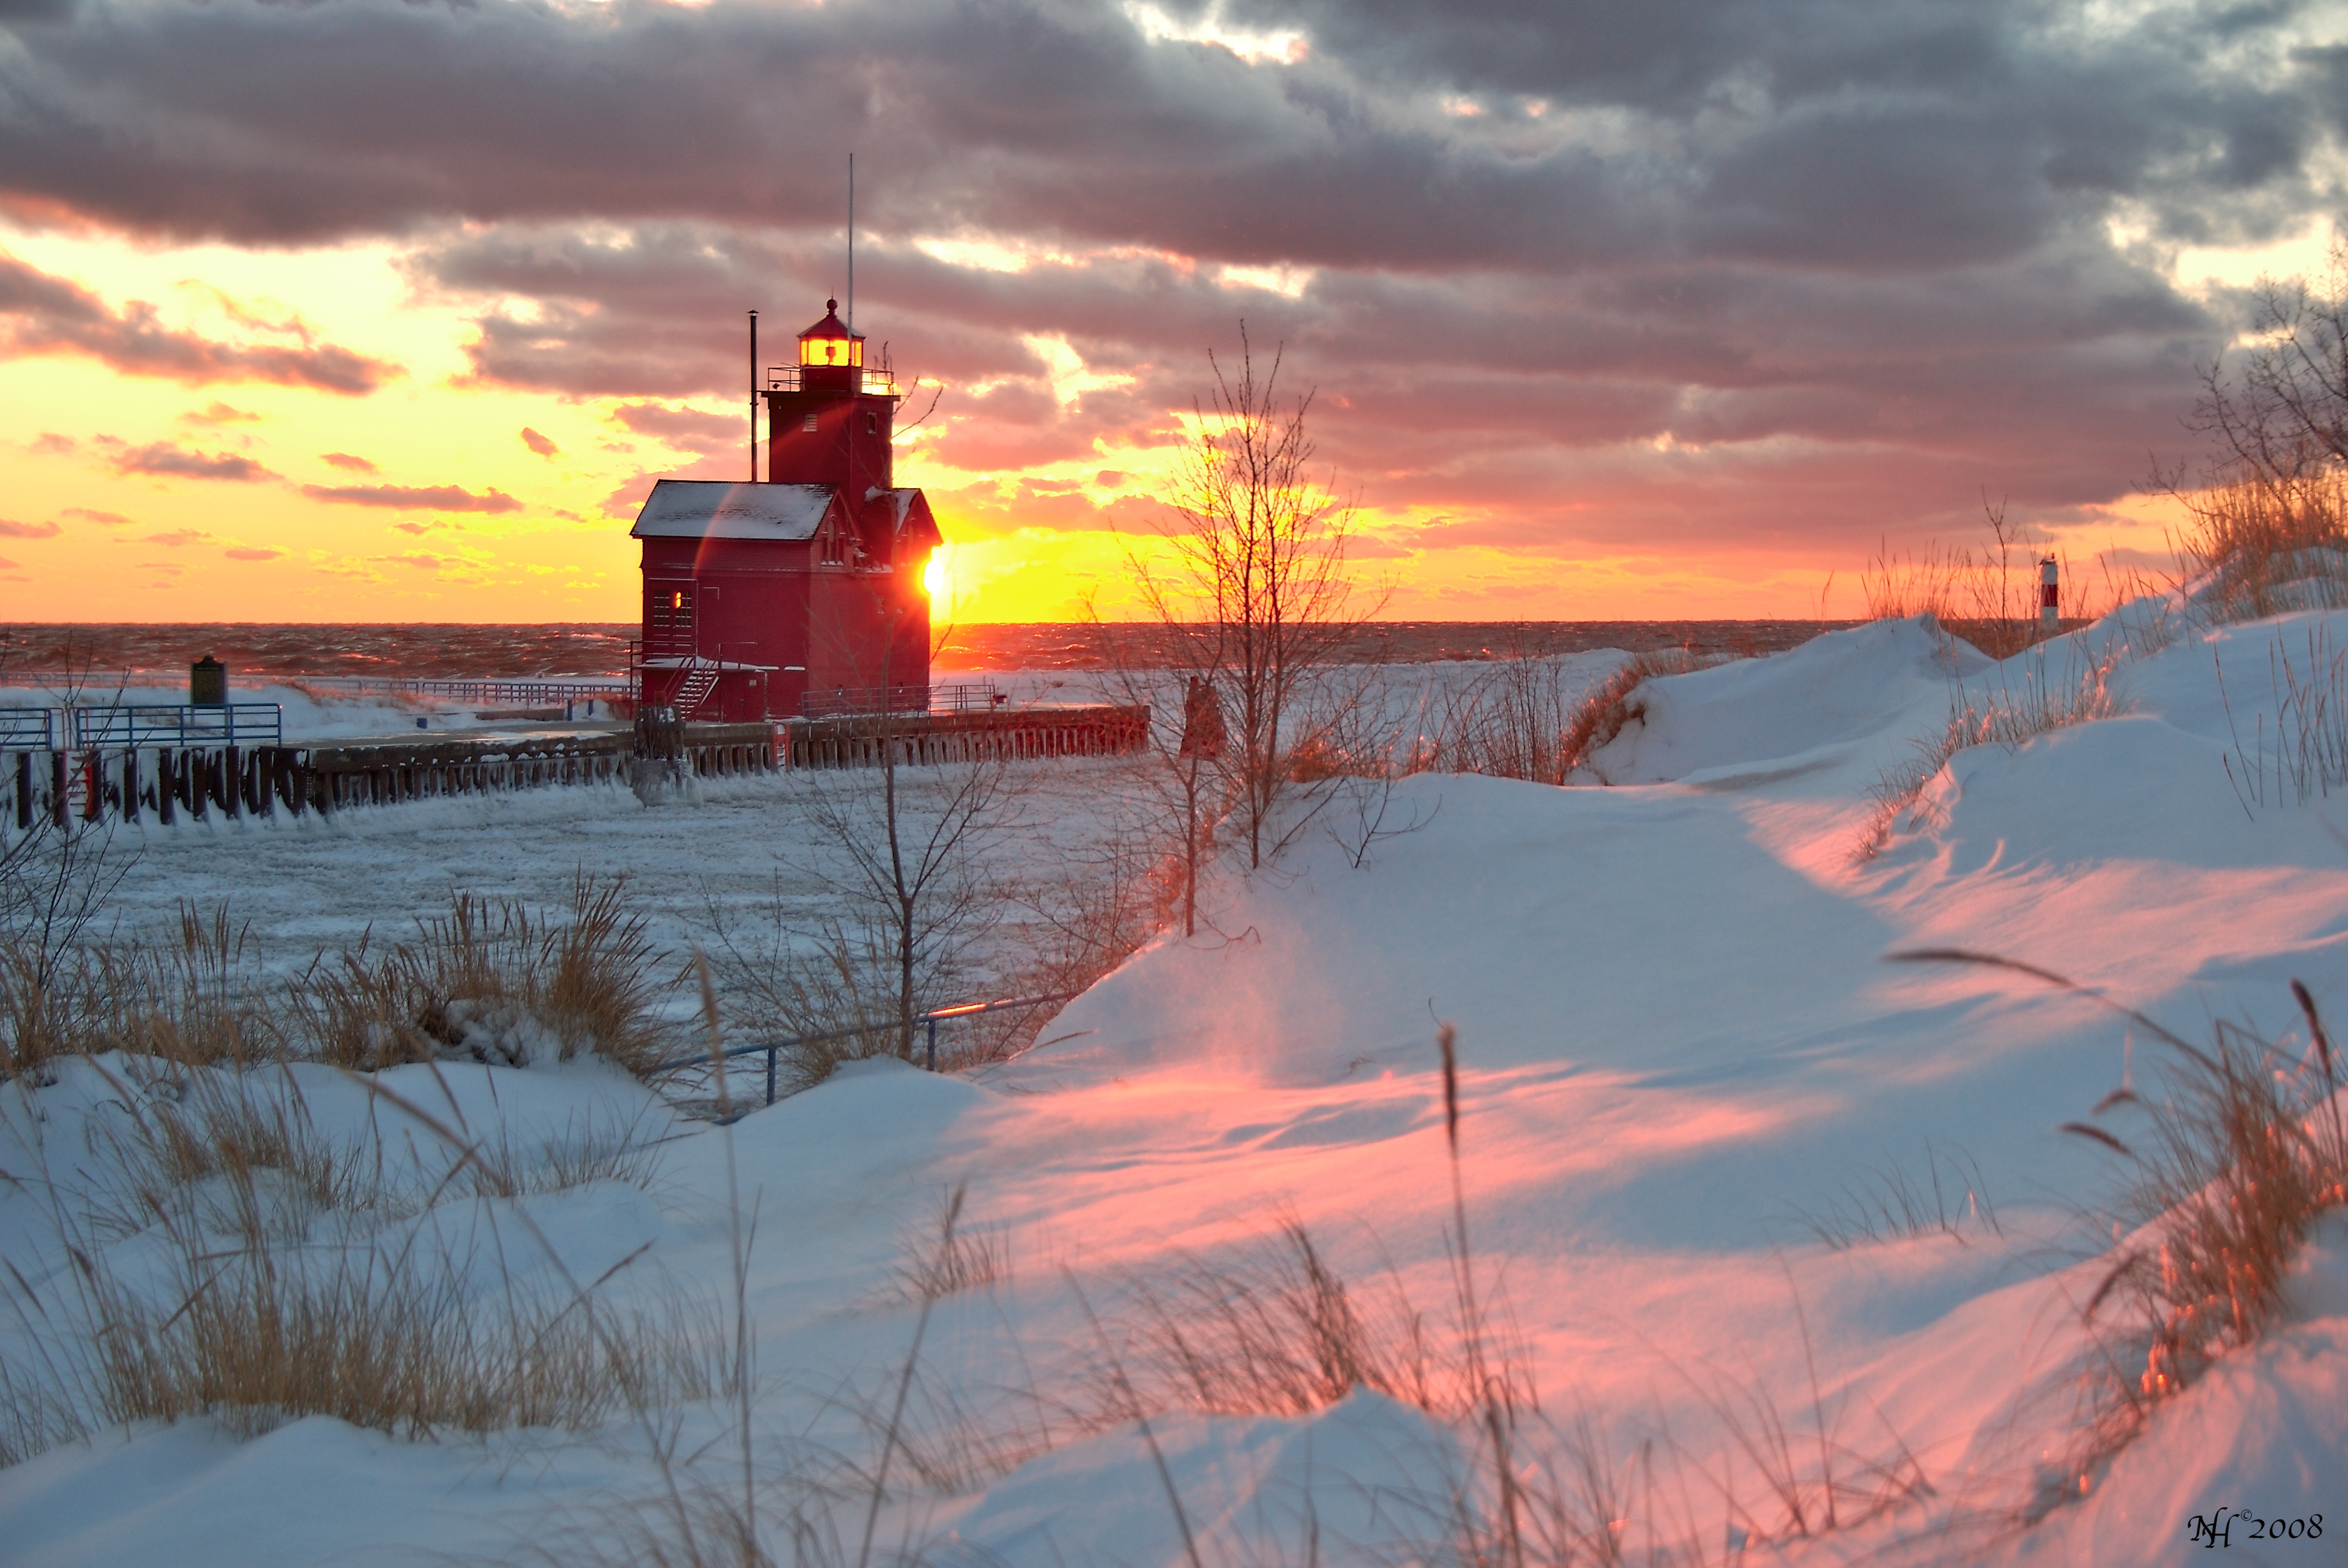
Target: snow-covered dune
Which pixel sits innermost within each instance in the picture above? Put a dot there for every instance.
(1684, 1055)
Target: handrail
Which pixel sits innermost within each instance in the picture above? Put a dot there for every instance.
(28, 728)
(178, 724)
(870, 382)
(913, 697)
(773, 1048)
(519, 689)
(860, 701)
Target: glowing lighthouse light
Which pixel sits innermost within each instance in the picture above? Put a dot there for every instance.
(828, 343)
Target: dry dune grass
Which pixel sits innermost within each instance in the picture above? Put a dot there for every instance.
(2005, 716)
(2302, 754)
(1991, 597)
(2226, 1179)
(2261, 544)
(2226, 1171)
(282, 1273)
(195, 1000)
(1275, 1329)
(491, 980)
(1526, 718)
(494, 980)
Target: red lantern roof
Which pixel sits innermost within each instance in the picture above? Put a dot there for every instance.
(831, 325)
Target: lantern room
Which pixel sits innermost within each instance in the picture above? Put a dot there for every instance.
(802, 590)
(829, 344)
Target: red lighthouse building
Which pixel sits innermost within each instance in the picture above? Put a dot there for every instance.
(801, 591)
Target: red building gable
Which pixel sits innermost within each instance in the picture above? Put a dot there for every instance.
(802, 590)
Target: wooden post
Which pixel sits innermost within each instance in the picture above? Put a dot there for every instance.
(60, 809)
(130, 783)
(24, 792)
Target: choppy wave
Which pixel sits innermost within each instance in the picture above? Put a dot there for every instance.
(101, 650)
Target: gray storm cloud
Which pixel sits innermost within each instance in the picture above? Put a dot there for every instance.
(1802, 233)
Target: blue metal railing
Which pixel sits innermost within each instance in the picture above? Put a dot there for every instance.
(775, 1048)
(180, 724)
(28, 728)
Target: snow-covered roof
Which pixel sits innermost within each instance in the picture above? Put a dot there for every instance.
(901, 507)
(717, 510)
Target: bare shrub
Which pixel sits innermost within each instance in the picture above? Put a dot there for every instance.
(56, 886)
(1096, 906)
(828, 996)
(915, 889)
(1511, 721)
(2267, 517)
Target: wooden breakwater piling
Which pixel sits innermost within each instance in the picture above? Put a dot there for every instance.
(61, 784)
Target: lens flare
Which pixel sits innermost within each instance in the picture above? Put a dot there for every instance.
(934, 576)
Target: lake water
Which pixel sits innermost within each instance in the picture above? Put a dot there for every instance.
(448, 651)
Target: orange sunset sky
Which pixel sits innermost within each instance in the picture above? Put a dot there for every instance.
(377, 312)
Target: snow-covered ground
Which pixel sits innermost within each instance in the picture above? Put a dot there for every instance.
(1683, 1057)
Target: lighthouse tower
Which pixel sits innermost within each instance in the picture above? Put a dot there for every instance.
(801, 591)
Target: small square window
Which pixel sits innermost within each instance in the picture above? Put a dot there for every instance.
(808, 424)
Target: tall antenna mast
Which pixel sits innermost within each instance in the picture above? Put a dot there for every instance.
(754, 397)
(851, 242)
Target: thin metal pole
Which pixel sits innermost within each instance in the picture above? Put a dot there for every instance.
(851, 242)
(754, 397)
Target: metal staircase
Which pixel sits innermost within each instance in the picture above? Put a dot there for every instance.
(699, 681)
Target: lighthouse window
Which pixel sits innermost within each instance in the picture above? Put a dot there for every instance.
(872, 425)
(671, 608)
(810, 423)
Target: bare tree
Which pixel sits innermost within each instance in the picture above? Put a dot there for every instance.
(2269, 510)
(2283, 413)
(1258, 597)
(910, 834)
(1189, 780)
(58, 879)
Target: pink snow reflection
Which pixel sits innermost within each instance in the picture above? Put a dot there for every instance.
(1185, 1159)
